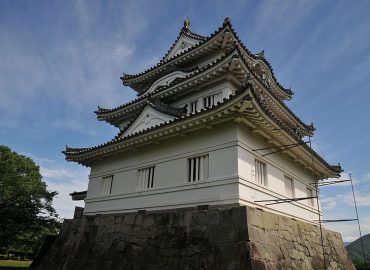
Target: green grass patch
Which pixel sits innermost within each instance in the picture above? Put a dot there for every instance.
(11, 263)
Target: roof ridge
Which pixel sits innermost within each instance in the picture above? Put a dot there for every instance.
(258, 56)
(187, 32)
(291, 131)
(309, 127)
(160, 63)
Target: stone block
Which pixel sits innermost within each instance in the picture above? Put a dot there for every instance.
(235, 238)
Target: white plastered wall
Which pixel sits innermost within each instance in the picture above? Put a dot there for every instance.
(278, 166)
(171, 188)
(231, 175)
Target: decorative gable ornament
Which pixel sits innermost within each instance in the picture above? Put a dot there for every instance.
(183, 43)
(149, 118)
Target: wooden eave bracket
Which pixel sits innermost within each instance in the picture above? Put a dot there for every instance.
(225, 39)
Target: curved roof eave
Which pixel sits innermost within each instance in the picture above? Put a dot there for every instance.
(102, 114)
(243, 94)
(126, 78)
(285, 93)
(71, 152)
(282, 128)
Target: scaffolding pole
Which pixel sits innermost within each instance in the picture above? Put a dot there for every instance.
(317, 201)
(358, 220)
(316, 186)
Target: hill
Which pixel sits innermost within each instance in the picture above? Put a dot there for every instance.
(355, 249)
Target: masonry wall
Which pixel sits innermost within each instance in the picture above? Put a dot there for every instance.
(226, 238)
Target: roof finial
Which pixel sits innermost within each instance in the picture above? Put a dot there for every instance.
(226, 20)
(187, 23)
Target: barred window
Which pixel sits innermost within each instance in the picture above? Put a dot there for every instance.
(193, 106)
(106, 185)
(198, 168)
(289, 187)
(261, 175)
(310, 201)
(146, 178)
(211, 100)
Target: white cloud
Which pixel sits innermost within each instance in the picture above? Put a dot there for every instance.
(65, 174)
(69, 73)
(346, 199)
(63, 203)
(339, 204)
(64, 178)
(349, 230)
(74, 124)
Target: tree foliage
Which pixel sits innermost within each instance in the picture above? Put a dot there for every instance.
(361, 265)
(26, 211)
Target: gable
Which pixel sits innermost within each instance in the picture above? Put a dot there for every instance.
(148, 118)
(183, 43)
(166, 80)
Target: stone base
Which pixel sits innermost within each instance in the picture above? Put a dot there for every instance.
(224, 238)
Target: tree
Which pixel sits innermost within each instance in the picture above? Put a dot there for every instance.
(361, 265)
(26, 211)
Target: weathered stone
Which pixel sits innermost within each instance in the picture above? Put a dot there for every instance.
(237, 238)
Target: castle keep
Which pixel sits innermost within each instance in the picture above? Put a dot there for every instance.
(210, 169)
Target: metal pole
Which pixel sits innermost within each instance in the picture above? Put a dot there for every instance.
(317, 201)
(358, 220)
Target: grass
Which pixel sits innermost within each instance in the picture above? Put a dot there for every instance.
(11, 263)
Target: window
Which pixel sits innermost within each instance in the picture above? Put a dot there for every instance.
(289, 187)
(212, 100)
(261, 176)
(197, 168)
(192, 107)
(311, 201)
(146, 178)
(106, 185)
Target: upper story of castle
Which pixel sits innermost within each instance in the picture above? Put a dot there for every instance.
(205, 80)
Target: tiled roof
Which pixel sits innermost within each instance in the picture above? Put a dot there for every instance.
(70, 152)
(159, 106)
(293, 133)
(167, 109)
(101, 111)
(184, 31)
(74, 151)
(78, 195)
(226, 24)
(237, 54)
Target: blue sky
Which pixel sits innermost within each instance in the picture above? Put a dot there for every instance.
(59, 60)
